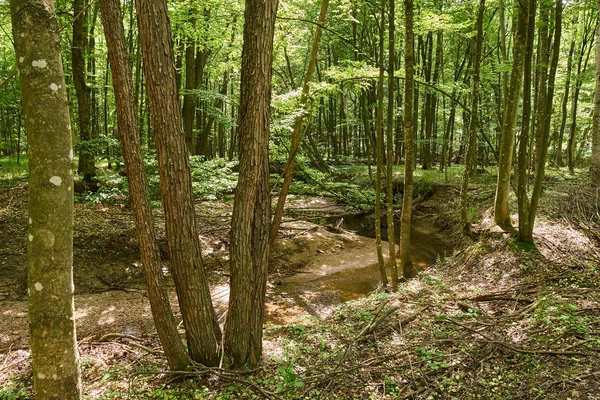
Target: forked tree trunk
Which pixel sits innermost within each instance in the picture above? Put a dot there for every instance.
(199, 318)
(252, 204)
(166, 325)
(50, 246)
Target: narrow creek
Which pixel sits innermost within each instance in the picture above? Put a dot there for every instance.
(352, 272)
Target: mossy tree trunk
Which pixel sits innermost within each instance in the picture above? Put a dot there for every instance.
(50, 245)
(164, 320)
(595, 167)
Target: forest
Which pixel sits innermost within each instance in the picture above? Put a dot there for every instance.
(299, 199)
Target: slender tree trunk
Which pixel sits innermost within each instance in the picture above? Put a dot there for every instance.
(501, 210)
(408, 268)
(595, 166)
(558, 161)
(474, 125)
(391, 111)
(86, 165)
(166, 325)
(296, 134)
(252, 205)
(50, 247)
(379, 148)
(202, 329)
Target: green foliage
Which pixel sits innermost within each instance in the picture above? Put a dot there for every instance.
(12, 173)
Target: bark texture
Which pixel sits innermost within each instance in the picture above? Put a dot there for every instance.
(166, 325)
(595, 167)
(199, 318)
(50, 245)
(252, 204)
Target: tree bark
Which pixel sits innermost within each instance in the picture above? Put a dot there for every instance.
(408, 268)
(199, 318)
(501, 210)
(595, 166)
(50, 246)
(252, 204)
(166, 325)
(86, 165)
(474, 123)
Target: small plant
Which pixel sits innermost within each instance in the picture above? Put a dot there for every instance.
(289, 378)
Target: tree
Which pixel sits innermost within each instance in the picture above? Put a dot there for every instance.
(199, 318)
(252, 205)
(595, 166)
(474, 125)
(408, 268)
(509, 121)
(165, 323)
(50, 246)
(86, 165)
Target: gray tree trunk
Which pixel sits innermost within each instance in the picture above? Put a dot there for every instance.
(50, 246)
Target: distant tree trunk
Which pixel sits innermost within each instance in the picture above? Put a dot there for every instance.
(252, 204)
(408, 268)
(391, 111)
(199, 318)
(166, 325)
(501, 210)
(296, 134)
(86, 165)
(50, 246)
(558, 161)
(474, 125)
(379, 147)
(189, 99)
(595, 166)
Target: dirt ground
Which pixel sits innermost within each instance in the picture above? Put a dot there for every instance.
(492, 320)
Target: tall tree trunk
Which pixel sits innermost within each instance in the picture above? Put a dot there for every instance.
(86, 165)
(595, 166)
(189, 100)
(50, 246)
(474, 125)
(408, 268)
(379, 148)
(523, 162)
(558, 160)
(296, 134)
(391, 111)
(199, 318)
(252, 204)
(166, 325)
(509, 121)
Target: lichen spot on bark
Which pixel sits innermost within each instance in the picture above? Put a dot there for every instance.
(54, 377)
(46, 238)
(41, 376)
(54, 87)
(30, 221)
(39, 63)
(30, 237)
(38, 286)
(21, 59)
(70, 153)
(56, 180)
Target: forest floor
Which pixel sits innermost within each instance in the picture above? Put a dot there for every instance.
(493, 320)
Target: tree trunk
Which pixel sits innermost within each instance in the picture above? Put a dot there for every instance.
(595, 166)
(50, 246)
(166, 325)
(86, 165)
(501, 210)
(408, 268)
(252, 204)
(474, 125)
(202, 329)
(558, 160)
(391, 111)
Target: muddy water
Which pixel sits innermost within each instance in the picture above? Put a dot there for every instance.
(353, 273)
